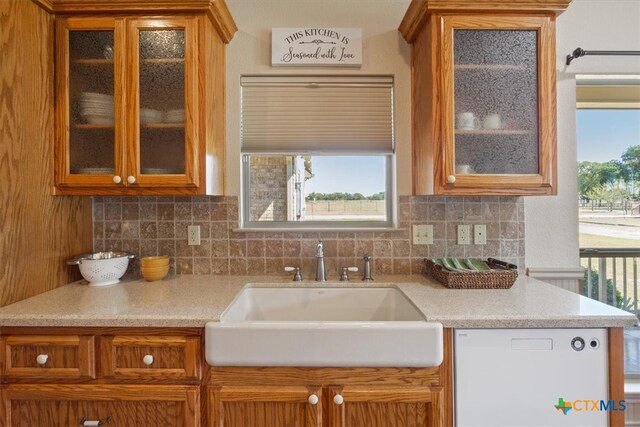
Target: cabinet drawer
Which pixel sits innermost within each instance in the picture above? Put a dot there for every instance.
(50, 356)
(138, 357)
(113, 405)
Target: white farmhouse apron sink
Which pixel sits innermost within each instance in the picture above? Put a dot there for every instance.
(323, 326)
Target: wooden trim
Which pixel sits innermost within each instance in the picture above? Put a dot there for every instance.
(616, 374)
(446, 378)
(419, 10)
(45, 4)
(290, 376)
(216, 10)
(222, 20)
(2, 358)
(140, 331)
(99, 392)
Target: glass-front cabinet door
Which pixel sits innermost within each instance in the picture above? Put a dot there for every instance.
(89, 102)
(126, 105)
(498, 121)
(162, 56)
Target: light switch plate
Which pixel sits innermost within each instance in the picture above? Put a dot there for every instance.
(464, 234)
(423, 234)
(480, 234)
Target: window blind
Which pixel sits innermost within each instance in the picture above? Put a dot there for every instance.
(317, 114)
(603, 97)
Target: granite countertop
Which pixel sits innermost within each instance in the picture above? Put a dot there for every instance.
(191, 301)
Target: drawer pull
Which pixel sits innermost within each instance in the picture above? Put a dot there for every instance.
(94, 423)
(42, 359)
(313, 399)
(147, 360)
(338, 399)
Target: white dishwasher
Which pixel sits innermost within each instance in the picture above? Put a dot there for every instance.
(518, 377)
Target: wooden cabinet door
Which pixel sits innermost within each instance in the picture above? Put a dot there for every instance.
(497, 129)
(385, 406)
(129, 118)
(165, 358)
(90, 105)
(31, 405)
(163, 117)
(251, 406)
(48, 357)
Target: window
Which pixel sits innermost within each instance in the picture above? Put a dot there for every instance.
(317, 151)
(608, 128)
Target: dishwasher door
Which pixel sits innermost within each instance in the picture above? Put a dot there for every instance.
(516, 377)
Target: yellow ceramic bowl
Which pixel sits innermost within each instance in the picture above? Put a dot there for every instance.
(154, 261)
(154, 273)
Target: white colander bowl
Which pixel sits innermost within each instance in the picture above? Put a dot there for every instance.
(102, 268)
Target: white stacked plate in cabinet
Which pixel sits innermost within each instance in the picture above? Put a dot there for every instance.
(531, 377)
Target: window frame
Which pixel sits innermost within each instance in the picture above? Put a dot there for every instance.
(312, 225)
(327, 80)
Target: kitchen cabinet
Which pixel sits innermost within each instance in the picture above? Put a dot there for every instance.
(119, 376)
(140, 100)
(120, 405)
(343, 406)
(140, 357)
(331, 397)
(483, 96)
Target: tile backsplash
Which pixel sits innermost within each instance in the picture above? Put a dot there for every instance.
(158, 226)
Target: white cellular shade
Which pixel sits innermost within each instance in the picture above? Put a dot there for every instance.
(317, 114)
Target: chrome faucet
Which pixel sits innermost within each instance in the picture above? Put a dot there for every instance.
(321, 271)
(367, 269)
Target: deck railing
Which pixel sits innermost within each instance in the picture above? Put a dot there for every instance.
(611, 276)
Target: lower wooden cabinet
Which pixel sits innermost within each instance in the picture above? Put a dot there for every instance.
(327, 397)
(341, 406)
(157, 377)
(118, 405)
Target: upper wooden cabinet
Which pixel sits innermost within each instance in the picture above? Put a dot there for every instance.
(140, 97)
(484, 97)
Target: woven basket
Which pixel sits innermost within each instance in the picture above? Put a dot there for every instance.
(504, 278)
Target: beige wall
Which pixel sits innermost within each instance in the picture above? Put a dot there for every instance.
(384, 52)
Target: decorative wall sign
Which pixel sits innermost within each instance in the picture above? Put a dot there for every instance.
(316, 46)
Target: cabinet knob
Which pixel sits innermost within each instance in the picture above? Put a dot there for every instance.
(117, 179)
(42, 359)
(131, 179)
(451, 179)
(338, 399)
(147, 360)
(313, 399)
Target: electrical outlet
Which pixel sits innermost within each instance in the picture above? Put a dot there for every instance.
(423, 234)
(193, 233)
(480, 234)
(464, 234)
